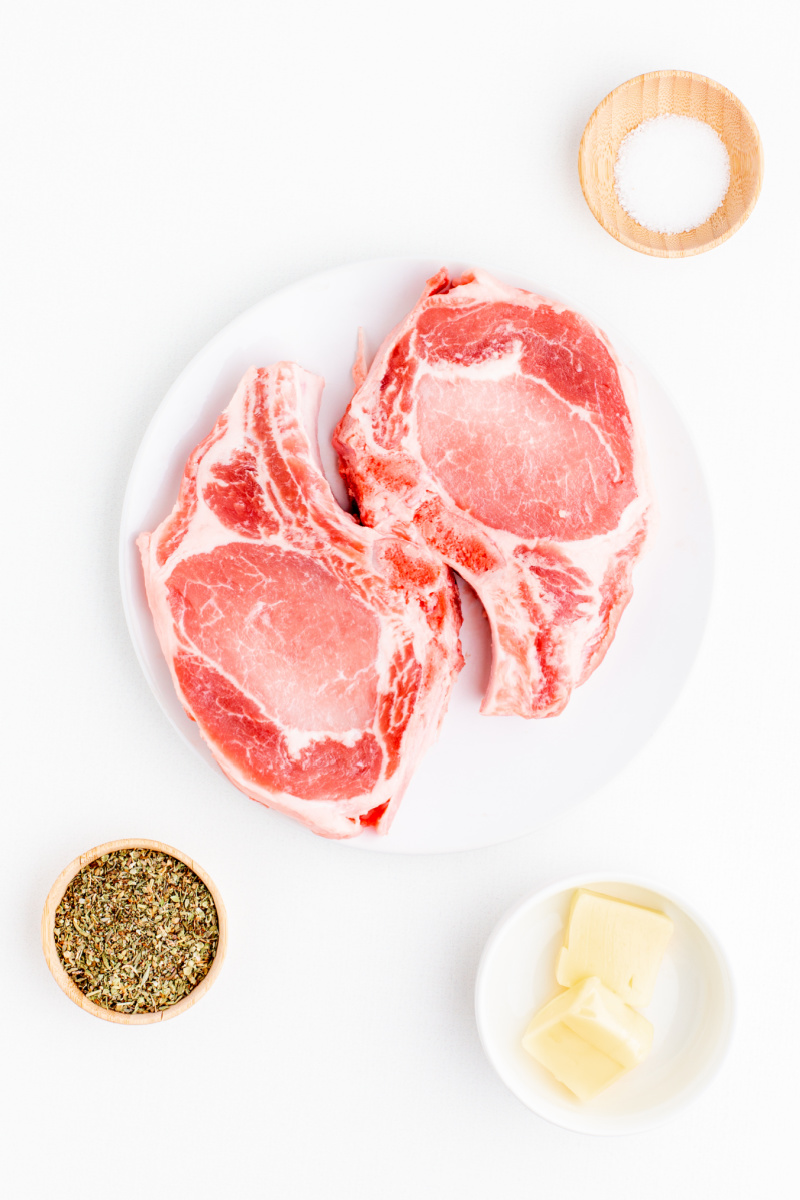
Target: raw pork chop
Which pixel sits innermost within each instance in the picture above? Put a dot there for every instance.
(497, 428)
(316, 656)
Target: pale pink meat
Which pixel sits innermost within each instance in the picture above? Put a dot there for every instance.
(498, 428)
(316, 656)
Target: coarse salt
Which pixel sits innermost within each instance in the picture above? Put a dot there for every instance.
(672, 173)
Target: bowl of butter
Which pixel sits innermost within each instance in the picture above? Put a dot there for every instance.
(604, 1003)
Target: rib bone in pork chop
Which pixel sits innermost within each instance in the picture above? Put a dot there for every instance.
(316, 656)
(498, 428)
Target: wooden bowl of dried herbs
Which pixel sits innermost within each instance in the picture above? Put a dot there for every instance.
(134, 932)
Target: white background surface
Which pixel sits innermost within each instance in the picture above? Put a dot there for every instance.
(164, 167)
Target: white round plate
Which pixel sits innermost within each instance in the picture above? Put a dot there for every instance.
(691, 1011)
(488, 779)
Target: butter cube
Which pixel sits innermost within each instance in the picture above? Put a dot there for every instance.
(621, 943)
(587, 1037)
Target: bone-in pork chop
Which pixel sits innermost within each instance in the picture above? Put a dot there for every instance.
(315, 655)
(497, 428)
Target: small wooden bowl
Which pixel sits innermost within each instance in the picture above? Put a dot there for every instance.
(652, 95)
(54, 962)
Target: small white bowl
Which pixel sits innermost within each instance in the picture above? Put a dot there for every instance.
(692, 1010)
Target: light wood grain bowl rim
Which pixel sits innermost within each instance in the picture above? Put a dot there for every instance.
(57, 968)
(614, 216)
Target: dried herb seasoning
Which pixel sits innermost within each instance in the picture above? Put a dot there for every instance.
(136, 930)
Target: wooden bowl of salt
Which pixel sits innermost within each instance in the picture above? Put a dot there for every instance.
(615, 142)
(148, 915)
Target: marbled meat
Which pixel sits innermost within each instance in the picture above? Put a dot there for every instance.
(498, 430)
(316, 656)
